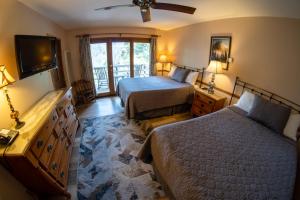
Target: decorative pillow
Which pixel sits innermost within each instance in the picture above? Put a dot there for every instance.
(246, 101)
(292, 127)
(192, 78)
(180, 74)
(273, 116)
(173, 68)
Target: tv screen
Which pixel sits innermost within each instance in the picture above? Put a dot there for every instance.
(35, 54)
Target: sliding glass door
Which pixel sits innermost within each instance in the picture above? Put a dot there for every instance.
(116, 59)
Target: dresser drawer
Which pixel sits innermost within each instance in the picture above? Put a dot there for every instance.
(60, 125)
(69, 110)
(53, 166)
(48, 151)
(64, 165)
(69, 124)
(205, 99)
(43, 135)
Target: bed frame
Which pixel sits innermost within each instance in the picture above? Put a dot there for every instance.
(241, 86)
(200, 70)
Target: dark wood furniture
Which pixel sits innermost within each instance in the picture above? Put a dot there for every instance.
(40, 155)
(205, 103)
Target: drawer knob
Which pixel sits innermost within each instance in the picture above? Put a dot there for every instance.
(210, 102)
(202, 105)
(49, 148)
(54, 166)
(60, 122)
(39, 143)
(62, 174)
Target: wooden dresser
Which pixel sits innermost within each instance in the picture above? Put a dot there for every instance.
(205, 103)
(40, 155)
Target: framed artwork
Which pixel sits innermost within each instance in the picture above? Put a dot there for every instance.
(220, 47)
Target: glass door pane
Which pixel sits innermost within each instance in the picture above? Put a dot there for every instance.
(141, 59)
(121, 61)
(100, 67)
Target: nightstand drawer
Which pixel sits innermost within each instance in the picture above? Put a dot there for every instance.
(204, 106)
(198, 111)
(204, 98)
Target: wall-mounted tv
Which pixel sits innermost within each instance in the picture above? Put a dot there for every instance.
(35, 54)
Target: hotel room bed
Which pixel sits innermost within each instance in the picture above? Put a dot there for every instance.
(224, 155)
(159, 94)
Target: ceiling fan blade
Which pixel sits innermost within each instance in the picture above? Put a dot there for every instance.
(117, 6)
(146, 15)
(173, 7)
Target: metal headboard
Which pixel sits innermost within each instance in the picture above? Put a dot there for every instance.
(200, 70)
(240, 86)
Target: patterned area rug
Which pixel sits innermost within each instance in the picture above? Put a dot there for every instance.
(108, 167)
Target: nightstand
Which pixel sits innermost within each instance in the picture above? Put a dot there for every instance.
(205, 103)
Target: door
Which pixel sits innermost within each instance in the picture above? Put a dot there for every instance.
(99, 52)
(115, 59)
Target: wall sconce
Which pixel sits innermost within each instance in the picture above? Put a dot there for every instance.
(5, 80)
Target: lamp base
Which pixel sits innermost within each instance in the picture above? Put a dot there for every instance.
(19, 125)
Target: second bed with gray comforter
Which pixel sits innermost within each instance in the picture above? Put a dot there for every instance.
(224, 155)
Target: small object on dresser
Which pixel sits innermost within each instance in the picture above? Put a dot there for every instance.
(7, 136)
(205, 103)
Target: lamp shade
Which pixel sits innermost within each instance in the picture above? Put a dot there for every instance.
(214, 67)
(5, 77)
(163, 58)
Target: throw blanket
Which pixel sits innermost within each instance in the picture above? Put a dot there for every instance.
(151, 93)
(223, 155)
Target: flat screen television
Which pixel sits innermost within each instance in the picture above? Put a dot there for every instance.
(35, 54)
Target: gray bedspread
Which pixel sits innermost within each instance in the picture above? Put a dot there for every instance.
(151, 93)
(223, 155)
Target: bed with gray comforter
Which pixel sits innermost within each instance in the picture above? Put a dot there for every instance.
(224, 155)
(152, 93)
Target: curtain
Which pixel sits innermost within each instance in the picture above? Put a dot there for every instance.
(153, 44)
(86, 61)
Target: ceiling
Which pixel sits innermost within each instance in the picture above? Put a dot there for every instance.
(74, 14)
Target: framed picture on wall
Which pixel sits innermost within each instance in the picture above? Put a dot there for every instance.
(220, 47)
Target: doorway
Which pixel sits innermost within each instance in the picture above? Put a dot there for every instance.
(115, 59)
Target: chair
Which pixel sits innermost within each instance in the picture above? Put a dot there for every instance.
(84, 92)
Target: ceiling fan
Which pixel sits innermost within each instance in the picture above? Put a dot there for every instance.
(145, 6)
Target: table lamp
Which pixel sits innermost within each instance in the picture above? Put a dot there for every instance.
(163, 59)
(214, 67)
(5, 80)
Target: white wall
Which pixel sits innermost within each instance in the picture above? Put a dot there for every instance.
(15, 18)
(265, 51)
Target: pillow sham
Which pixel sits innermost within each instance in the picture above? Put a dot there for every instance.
(292, 127)
(173, 68)
(246, 101)
(271, 115)
(180, 74)
(192, 78)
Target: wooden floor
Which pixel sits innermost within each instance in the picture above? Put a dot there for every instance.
(101, 107)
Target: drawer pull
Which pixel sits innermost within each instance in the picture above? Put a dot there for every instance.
(210, 102)
(62, 174)
(202, 105)
(60, 122)
(54, 166)
(49, 148)
(54, 118)
(39, 143)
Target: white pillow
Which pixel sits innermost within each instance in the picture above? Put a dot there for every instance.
(246, 101)
(291, 128)
(173, 68)
(192, 78)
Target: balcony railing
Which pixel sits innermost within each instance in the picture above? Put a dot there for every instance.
(120, 72)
